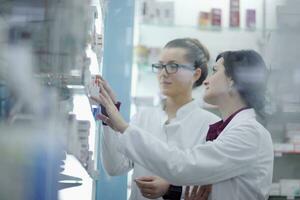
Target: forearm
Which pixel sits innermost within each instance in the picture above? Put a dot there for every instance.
(198, 166)
(114, 162)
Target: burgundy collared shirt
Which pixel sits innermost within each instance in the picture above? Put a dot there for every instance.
(215, 129)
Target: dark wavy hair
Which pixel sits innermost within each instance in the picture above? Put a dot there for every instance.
(197, 54)
(249, 73)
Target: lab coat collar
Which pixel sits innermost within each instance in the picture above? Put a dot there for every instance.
(186, 109)
(241, 116)
(216, 129)
(181, 112)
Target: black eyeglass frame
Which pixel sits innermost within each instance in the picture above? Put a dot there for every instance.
(157, 67)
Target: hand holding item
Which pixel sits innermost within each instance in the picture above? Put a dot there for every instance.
(94, 88)
(152, 187)
(108, 89)
(113, 118)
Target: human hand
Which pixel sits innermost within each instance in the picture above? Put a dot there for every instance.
(198, 192)
(107, 88)
(152, 187)
(114, 118)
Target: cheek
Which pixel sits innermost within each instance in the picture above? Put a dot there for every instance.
(219, 86)
(159, 77)
(184, 79)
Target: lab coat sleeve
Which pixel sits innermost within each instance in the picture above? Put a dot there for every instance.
(232, 154)
(115, 163)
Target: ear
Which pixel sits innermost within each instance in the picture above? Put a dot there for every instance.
(231, 87)
(197, 74)
(230, 82)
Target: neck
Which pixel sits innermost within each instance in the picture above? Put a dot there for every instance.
(230, 105)
(174, 103)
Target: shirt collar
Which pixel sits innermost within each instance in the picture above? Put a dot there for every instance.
(186, 108)
(216, 128)
(182, 111)
(226, 122)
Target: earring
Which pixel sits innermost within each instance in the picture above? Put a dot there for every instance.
(231, 92)
(231, 88)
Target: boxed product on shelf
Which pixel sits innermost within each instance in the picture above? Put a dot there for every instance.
(275, 189)
(283, 147)
(165, 12)
(78, 138)
(290, 187)
(234, 20)
(204, 19)
(71, 137)
(250, 18)
(84, 125)
(216, 17)
(147, 12)
(157, 12)
(97, 46)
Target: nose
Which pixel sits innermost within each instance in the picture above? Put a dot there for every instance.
(163, 72)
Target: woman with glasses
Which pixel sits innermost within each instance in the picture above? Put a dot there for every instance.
(239, 162)
(178, 121)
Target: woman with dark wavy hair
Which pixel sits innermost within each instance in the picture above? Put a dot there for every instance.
(237, 158)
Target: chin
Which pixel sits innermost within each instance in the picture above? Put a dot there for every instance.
(208, 99)
(167, 93)
(164, 90)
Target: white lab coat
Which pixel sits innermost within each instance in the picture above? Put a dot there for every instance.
(239, 163)
(186, 130)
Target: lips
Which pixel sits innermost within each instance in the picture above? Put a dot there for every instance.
(166, 83)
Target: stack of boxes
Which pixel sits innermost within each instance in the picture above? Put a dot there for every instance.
(289, 188)
(293, 135)
(155, 12)
(211, 19)
(78, 143)
(82, 141)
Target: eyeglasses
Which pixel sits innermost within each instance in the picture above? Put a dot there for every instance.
(170, 68)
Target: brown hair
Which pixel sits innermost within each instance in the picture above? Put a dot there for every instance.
(197, 54)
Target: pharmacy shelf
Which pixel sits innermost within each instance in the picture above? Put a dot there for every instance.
(86, 126)
(278, 197)
(285, 148)
(207, 28)
(81, 185)
(215, 40)
(281, 153)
